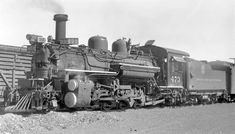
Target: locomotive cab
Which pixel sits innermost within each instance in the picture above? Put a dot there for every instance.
(173, 73)
(172, 64)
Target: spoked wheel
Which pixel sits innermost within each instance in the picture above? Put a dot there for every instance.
(136, 105)
(122, 105)
(194, 100)
(176, 98)
(107, 106)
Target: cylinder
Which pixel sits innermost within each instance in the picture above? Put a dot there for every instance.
(60, 31)
(72, 84)
(70, 100)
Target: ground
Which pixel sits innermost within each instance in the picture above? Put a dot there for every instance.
(203, 119)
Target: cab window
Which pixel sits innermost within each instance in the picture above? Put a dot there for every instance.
(176, 66)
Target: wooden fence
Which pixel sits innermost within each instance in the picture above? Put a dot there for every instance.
(14, 62)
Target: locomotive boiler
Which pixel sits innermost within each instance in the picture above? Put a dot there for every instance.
(68, 76)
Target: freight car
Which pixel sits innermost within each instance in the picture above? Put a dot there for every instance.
(64, 76)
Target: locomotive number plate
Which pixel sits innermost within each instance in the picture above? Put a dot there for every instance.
(175, 79)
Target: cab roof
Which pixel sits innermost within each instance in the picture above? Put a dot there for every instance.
(166, 50)
(174, 51)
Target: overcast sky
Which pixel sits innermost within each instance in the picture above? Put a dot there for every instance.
(203, 28)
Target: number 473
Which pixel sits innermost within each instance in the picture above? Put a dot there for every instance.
(175, 79)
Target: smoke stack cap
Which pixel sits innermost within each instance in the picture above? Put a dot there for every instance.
(61, 17)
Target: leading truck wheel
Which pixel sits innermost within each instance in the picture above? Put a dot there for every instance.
(122, 105)
(136, 105)
(106, 106)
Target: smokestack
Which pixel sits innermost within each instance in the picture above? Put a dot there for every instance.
(60, 20)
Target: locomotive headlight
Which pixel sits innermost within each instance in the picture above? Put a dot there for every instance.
(72, 84)
(35, 38)
(70, 99)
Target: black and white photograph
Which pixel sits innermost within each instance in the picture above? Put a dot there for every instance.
(117, 67)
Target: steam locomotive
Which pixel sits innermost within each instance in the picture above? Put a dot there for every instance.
(65, 76)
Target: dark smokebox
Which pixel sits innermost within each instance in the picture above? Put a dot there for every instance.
(60, 32)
